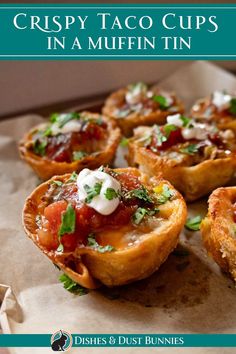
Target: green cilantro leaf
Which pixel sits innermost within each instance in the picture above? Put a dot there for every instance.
(99, 121)
(73, 177)
(168, 128)
(194, 223)
(72, 286)
(101, 249)
(40, 146)
(53, 117)
(163, 103)
(165, 195)
(78, 155)
(124, 142)
(67, 221)
(47, 132)
(58, 183)
(141, 213)
(92, 191)
(63, 118)
(185, 120)
(190, 149)
(110, 193)
(67, 224)
(233, 106)
(161, 138)
(141, 194)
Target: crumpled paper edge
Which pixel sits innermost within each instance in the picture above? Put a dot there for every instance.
(10, 308)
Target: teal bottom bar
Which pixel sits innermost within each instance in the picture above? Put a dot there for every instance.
(118, 340)
(25, 340)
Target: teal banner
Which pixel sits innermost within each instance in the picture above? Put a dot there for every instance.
(66, 340)
(117, 32)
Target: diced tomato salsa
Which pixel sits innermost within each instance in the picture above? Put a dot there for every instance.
(60, 148)
(87, 219)
(175, 137)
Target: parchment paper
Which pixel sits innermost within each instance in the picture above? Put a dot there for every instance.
(188, 294)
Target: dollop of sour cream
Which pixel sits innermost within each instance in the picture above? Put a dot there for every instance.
(199, 131)
(70, 127)
(227, 134)
(136, 93)
(221, 100)
(195, 130)
(100, 202)
(175, 119)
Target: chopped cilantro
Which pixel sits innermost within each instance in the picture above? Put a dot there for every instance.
(53, 117)
(73, 177)
(194, 223)
(78, 155)
(141, 213)
(99, 121)
(190, 149)
(67, 224)
(92, 191)
(93, 244)
(47, 132)
(168, 128)
(141, 194)
(110, 193)
(163, 103)
(63, 118)
(161, 138)
(124, 142)
(67, 221)
(164, 195)
(185, 120)
(72, 286)
(58, 183)
(40, 146)
(232, 108)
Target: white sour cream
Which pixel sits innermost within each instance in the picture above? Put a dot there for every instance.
(136, 93)
(197, 131)
(175, 119)
(70, 127)
(169, 99)
(221, 100)
(100, 203)
(227, 134)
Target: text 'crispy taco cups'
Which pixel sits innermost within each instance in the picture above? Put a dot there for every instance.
(219, 228)
(128, 262)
